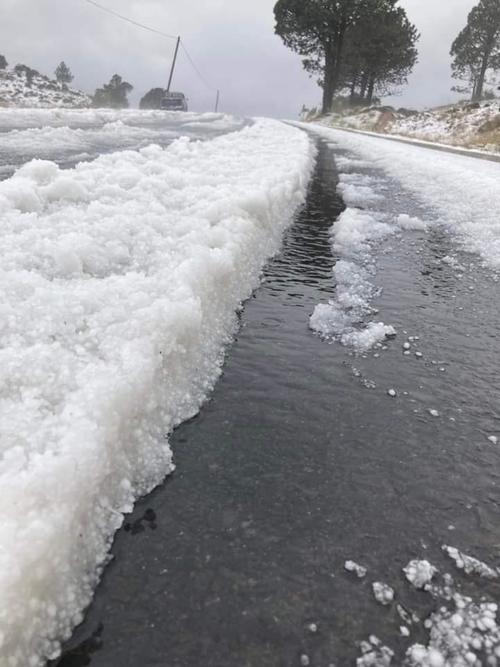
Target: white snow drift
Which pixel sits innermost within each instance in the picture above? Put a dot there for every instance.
(119, 283)
(346, 318)
(78, 135)
(462, 631)
(23, 119)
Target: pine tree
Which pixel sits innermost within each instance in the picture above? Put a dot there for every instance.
(113, 94)
(63, 74)
(368, 44)
(382, 53)
(317, 30)
(3, 62)
(476, 50)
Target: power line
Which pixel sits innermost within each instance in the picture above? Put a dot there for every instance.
(125, 18)
(193, 65)
(162, 34)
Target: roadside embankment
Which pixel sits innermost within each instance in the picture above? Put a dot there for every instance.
(473, 126)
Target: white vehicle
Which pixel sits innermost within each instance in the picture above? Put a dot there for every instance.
(174, 102)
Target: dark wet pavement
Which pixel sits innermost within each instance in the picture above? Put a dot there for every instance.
(301, 461)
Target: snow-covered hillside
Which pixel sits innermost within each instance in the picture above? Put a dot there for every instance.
(466, 124)
(30, 89)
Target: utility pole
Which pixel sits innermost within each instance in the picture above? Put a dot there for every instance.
(217, 101)
(173, 64)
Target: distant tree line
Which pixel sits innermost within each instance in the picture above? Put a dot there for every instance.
(366, 47)
(112, 95)
(359, 49)
(63, 73)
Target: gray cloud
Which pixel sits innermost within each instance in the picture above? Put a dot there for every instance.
(232, 42)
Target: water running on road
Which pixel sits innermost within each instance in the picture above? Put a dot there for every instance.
(302, 461)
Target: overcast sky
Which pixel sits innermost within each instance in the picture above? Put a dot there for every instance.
(231, 41)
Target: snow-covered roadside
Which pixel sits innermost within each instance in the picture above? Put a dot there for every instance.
(359, 231)
(346, 317)
(465, 125)
(49, 141)
(21, 119)
(119, 284)
(462, 193)
(72, 136)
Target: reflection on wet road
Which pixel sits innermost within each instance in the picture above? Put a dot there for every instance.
(301, 461)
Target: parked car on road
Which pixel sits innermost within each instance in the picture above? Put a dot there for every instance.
(174, 102)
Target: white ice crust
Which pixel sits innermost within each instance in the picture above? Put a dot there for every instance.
(347, 317)
(462, 631)
(383, 593)
(355, 568)
(374, 654)
(469, 564)
(459, 636)
(119, 283)
(411, 223)
(54, 134)
(419, 573)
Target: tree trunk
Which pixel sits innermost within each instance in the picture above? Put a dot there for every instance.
(354, 83)
(339, 52)
(474, 89)
(333, 63)
(327, 93)
(488, 49)
(479, 87)
(364, 85)
(328, 86)
(371, 88)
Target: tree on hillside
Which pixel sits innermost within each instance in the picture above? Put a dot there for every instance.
(3, 62)
(366, 44)
(476, 50)
(114, 94)
(152, 100)
(63, 74)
